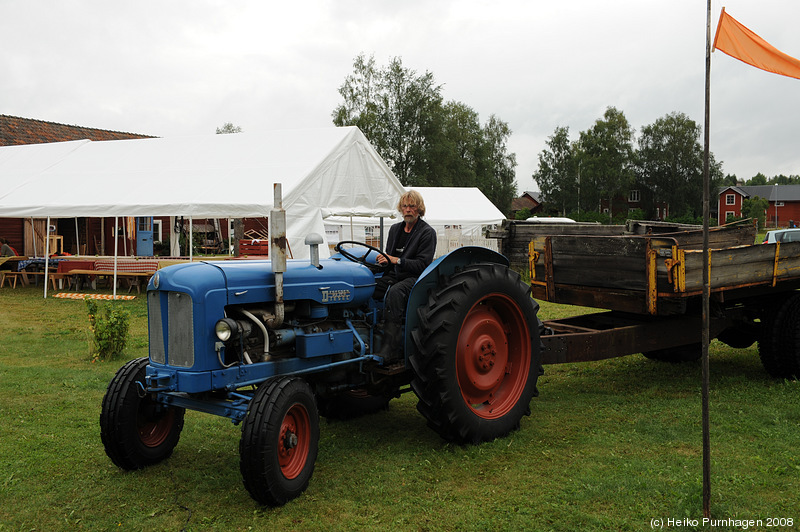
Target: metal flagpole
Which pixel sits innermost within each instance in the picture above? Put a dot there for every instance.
(706, 280)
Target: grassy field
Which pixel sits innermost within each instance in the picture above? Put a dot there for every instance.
(610, 445)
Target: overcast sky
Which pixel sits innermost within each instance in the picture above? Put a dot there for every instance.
(186, 67)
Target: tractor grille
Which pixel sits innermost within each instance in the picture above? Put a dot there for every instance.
(178, 349)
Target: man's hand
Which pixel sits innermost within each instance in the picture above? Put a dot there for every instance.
(382, 259)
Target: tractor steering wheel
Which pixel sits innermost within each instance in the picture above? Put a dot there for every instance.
(363, 258)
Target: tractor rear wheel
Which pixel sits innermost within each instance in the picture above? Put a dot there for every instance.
(280, 438)
(477, 354)
(137, 431)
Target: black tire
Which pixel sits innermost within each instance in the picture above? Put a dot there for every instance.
(280, 440)
(676, 355)
(477, 354)
(352, 404)
(136, 431)
(779, 343)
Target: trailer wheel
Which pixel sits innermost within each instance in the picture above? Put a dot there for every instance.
(280, 437)
(137, 431)
(740, 337)
(477, 354)
(779, 344)
(676, 355)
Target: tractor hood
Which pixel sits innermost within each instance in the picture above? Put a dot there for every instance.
(336, 281)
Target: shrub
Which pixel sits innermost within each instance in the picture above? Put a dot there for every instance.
(522, 214)
(109, 324)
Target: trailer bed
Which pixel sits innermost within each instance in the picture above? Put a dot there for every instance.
(657, 273)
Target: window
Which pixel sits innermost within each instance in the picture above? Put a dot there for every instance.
(157, 235)
(634, 197)
(729, 215)
(730, 199)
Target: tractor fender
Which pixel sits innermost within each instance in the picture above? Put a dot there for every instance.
(438, 270)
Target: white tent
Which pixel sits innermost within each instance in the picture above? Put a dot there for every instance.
(459, 215)
(323, 172)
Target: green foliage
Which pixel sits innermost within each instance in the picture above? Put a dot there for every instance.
(632, 214)
(423, 139)
(523, 214)
(161, 249)
(671, 164)
(666, 169)
(109, 324)
(606, 158)
(589, 217)
(756, 208)
(558, 174)
(758, 179)
(228, 128)
(729, 180)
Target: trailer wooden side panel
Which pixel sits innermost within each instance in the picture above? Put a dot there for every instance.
(658, 273)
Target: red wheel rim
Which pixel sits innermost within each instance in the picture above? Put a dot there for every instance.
(294, 441)
(493, 356)
(154, 425)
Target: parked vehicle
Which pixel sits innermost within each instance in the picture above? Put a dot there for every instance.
(782, 235)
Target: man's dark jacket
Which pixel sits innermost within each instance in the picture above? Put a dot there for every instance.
(419, 250)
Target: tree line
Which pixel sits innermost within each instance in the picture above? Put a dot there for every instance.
(761, 179)
(606, 165)
(425, 140)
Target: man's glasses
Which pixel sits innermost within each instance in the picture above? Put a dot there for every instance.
(406, 206)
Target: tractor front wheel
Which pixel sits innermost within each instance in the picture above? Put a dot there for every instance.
(477, 354)
(280, 438)
(136, 430)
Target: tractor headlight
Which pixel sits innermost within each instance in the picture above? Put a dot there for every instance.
(226, 329)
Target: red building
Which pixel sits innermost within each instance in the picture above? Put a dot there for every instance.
(784, 203)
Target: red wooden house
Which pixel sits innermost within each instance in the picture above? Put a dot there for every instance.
(784, 203)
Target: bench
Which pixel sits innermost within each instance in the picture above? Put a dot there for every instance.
(23, 276)
(9, 276)
(133, 278)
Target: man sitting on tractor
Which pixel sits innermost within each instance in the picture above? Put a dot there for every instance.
(410, 248)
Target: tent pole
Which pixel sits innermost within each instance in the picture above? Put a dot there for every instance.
(77, 238)
(191, 231)
(46, 255)
(116, 248)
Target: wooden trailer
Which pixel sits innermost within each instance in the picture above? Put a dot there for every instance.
(649, 278)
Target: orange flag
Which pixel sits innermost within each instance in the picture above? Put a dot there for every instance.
(740, 43)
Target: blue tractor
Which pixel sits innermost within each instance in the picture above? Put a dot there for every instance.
(273, 345)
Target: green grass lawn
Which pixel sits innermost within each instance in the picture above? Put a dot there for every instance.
(610, 445)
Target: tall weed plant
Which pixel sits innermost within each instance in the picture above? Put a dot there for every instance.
(109, 325)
